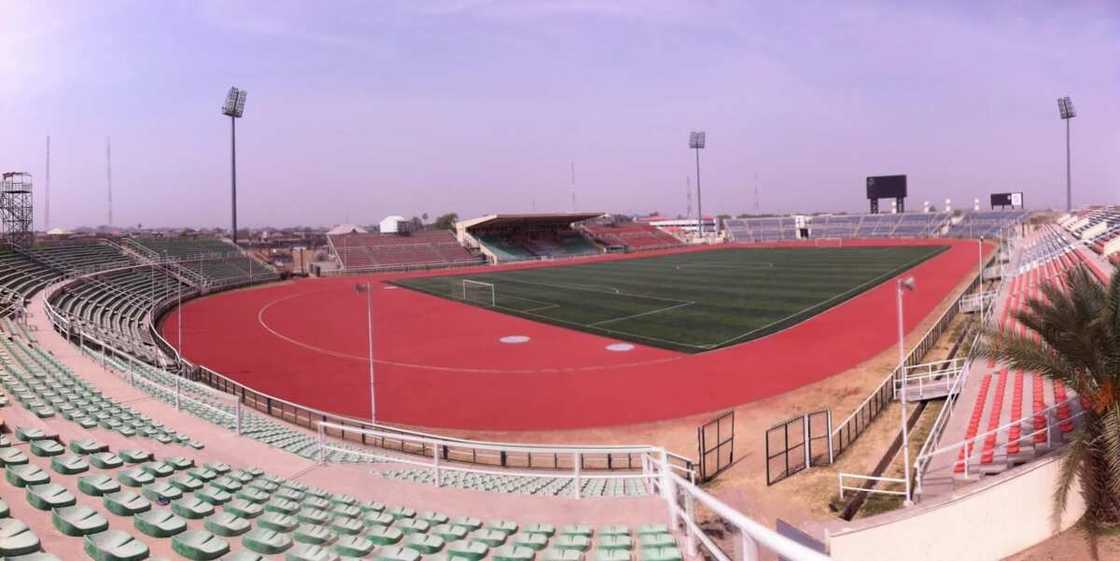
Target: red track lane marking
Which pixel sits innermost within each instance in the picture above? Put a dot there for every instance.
(440, 365)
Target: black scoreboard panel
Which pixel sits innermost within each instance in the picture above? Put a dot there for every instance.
(1001, 199)
(886, 187)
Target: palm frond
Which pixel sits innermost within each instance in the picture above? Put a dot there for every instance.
(1071, 466)
(1110, 437)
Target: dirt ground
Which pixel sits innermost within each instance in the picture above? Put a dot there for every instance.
(1070, 546)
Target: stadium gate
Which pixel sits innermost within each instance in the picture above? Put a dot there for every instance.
(715, 441)
(798, 443)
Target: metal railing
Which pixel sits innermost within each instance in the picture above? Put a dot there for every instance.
(864, 488)
(849, 429)
(1051, 421)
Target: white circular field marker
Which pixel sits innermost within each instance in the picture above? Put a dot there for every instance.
(620, 347)
(514, 339)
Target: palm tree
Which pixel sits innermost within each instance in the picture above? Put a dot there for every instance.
(1074, 337)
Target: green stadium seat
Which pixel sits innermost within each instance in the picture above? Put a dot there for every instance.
(158, 469)
(185, 483)
(310, 552)
(513, 553)
(135, 477)
(647, 541)
(652, 529)
(397, 554)
(378, 519)
(69, 464)
(115, 545)
(347, 526)
(16, 538)
(213, 495)
(313, 516)
(545, 529)
(106, 460)
(26, 474)
(471, 524)
(244, 508)
(312, 534)
(577, 530)
(615, 541)
(536, 542)
(244, 555)
(383, 535)
(49, 496)
(507, 527)
(192, 508)
(161, 491)
(613, 555)
(5, 511)
(12, 457)
(159, 523)
(399, 512)
(199, 545)
(266, 541)
(491, 538)
(281, 505)
(98, 484)
(353, 546)
(252, 494)
(578, 542)
(227, 524)
(661, 554)
(449, 532)
(469, 550)
(424, 543)
(135, 456)
(614, 531)
(554, 554)
(412, 526)
(126, 503)
(277, 521)
(47, 448)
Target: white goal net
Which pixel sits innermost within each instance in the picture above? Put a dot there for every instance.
(478, 292)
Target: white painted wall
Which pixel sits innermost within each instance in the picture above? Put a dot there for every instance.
(985, 522)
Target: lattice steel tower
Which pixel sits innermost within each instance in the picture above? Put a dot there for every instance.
(16, 209)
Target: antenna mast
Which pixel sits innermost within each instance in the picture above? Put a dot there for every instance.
(573, 186)
(47, 191)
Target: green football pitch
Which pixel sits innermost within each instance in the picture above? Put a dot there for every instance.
(689, 302)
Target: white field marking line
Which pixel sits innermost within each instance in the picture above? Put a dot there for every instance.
(889, 274)
(741, 266)
(616, 331)
(632, 316)
(543, 305)
(584, 288)
(419, 366)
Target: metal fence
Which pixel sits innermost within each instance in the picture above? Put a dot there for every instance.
(715, 444)
(798, 443)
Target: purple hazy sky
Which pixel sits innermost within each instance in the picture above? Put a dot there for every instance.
(357, 110)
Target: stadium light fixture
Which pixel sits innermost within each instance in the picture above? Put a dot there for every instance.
(234, 108)
(1067, 112)
(904, 285)
(360, 288)
(696, 141)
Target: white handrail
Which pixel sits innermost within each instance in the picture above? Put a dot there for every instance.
(754, 533)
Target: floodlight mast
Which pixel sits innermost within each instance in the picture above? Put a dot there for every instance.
(234, 108)
(696, 141)
(1067, 112)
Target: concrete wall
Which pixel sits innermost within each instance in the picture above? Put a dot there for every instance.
(984, 522)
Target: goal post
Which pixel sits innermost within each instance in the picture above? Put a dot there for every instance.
(478, 292)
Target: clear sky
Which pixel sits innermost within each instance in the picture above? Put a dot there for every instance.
(357, 110)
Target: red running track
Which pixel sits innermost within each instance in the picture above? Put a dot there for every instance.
(440, 363)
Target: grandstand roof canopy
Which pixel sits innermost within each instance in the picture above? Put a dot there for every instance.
(507, 220)
(346, 229)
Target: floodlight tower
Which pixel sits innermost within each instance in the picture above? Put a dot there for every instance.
(696, 141)
(1067, 112)
(234, 108)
